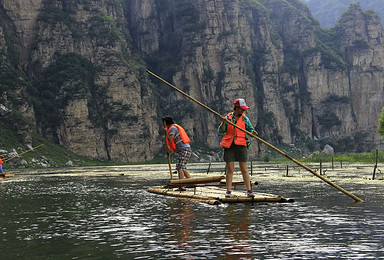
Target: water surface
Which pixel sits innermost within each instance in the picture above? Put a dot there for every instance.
(107, 213)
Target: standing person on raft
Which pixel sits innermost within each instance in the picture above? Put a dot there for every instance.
(235, 144)
(178, 141)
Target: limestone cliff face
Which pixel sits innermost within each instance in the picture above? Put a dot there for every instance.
(363, 41)
(16, 112)
(20, 21)
(275, 55)
(100, 108)
(84, 65)
(112, 118)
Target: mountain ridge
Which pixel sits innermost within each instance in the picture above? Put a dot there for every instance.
(76, 73)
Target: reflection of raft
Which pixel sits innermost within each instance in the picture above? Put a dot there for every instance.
(205, 190)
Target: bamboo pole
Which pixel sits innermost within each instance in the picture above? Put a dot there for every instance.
(23, 153)
(357, 199)
(196, 180)
(168, 154)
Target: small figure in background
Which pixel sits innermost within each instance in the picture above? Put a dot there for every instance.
(1, 167)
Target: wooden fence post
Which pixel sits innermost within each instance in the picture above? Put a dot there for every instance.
(209, 167)
(374, 169)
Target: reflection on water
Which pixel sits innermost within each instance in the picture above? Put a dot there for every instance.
(238, 220)
(102, 214)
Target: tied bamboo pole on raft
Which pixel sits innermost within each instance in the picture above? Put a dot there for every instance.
(357, 199)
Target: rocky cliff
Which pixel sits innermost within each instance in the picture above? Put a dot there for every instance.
(84, 83)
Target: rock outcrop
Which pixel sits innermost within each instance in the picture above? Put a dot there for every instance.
(84, 65)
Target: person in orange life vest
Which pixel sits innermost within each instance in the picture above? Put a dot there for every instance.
(1, 166)
(235, 144)
(179, 142)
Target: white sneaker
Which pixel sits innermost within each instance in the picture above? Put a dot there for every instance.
(228, 195)
(250, 194)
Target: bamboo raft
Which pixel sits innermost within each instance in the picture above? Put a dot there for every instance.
(8, 176)
(207, 190)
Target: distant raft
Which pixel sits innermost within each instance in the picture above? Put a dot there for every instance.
(203, 190)
(8, 176)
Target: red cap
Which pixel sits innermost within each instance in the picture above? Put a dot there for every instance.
(240, 103)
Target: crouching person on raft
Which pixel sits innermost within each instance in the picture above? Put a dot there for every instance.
(179, 142)
(235, 144)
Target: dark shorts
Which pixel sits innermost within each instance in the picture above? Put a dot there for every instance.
(236, 153)
(182, 158)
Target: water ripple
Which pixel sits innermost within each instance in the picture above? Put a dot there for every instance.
(90, 217)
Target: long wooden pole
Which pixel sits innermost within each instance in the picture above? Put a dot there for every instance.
(168, 153)
(357, 199)
(24, 152)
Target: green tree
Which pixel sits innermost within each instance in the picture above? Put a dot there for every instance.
(380, 129)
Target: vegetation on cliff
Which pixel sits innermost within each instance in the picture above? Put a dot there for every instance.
(84, 74)
(381, 123)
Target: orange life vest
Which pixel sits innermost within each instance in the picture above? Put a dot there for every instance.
(234, 134)
(183, 135)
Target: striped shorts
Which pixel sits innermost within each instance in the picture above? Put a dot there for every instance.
(182, 158)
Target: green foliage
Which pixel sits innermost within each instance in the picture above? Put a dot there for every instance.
(334, 99)
(252, 5)
(355, 143)
(112, 2)
(10, 79)
(329, 119)
(219, 83)
(311, 144)
(208, 75)
(304, 94)
(265, 118)
(52, 14)
(380, 128)
(8, 136)
(327, 43)
(301, 151)
(291, 61)
(162, 6)
(57, 154)
(189, 17)
(104, 27)
(359, 45)
(266, 158)
(369, 157)
(69, 77)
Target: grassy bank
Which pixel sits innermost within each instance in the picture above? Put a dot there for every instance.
(53, 155)
(48, 155)
(348, 157)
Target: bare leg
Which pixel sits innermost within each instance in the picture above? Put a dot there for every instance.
(244, 172)
(181, 174)
(186, 174)
(229, 174)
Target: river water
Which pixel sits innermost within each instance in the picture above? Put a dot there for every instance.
(107, 213)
